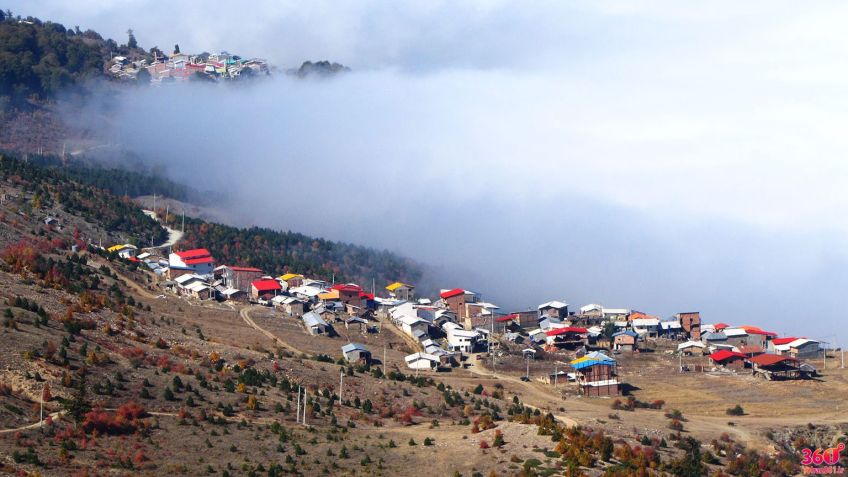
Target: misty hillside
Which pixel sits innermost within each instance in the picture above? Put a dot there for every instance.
(280, 252)
(75, 182)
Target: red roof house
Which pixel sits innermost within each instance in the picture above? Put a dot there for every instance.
(729, 359)
(197, 260)
(452, 293)
(770, 359)
(265, 286)
(783, 341)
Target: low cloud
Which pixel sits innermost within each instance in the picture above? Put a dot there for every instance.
(633, 155)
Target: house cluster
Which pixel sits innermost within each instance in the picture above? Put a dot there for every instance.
(180, 66)
(460, 322)
(740, 348)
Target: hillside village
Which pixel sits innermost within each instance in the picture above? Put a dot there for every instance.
(457, 328)
(181, 67)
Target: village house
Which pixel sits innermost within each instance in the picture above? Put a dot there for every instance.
(308, 293)
(479, 314)
(422, 361)
(553, 309)
(125, 251)
(414, 326)
(401, 291)
(646, 326)
(356, 353)
(194, 285)
(568, 337)
(239, 278)
(714, 337)
(197, 261)
(691, 347)
(504, 324)
(351, 294)
(691, 323)
(595, 375)
(728, 359)
(291, 279)
(460, 339)
(264, 288)
(456, 300)
(615, 314)
(800, 348)
(357, 323)
(289, 305)
(774, 367)
(671, 329)
(748, 336)
(315, 324)
(625, 340)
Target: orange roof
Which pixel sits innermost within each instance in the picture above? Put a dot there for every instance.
(637, 315)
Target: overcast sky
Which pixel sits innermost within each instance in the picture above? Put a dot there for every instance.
(663, 156)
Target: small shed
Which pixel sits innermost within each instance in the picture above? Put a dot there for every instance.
(625, 340)
(356, 353)
(315, 324)
(421, 361)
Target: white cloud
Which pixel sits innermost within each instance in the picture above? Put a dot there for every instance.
(704, 140)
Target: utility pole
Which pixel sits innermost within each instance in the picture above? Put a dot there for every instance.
(492, 339)
(304, 406)
(556, 375)
(297, 413)
(384, 358)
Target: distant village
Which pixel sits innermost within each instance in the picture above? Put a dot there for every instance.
(457, 325)
(181, 67)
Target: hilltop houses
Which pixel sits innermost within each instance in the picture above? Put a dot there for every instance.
(461, 323)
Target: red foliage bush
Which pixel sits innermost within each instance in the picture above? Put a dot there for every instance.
(122, 421)
(484, 445)
(408, 414)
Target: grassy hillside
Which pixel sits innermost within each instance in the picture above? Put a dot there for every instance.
(45, 188)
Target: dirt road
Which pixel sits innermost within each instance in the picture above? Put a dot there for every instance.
(52, 416)
(245, 315)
